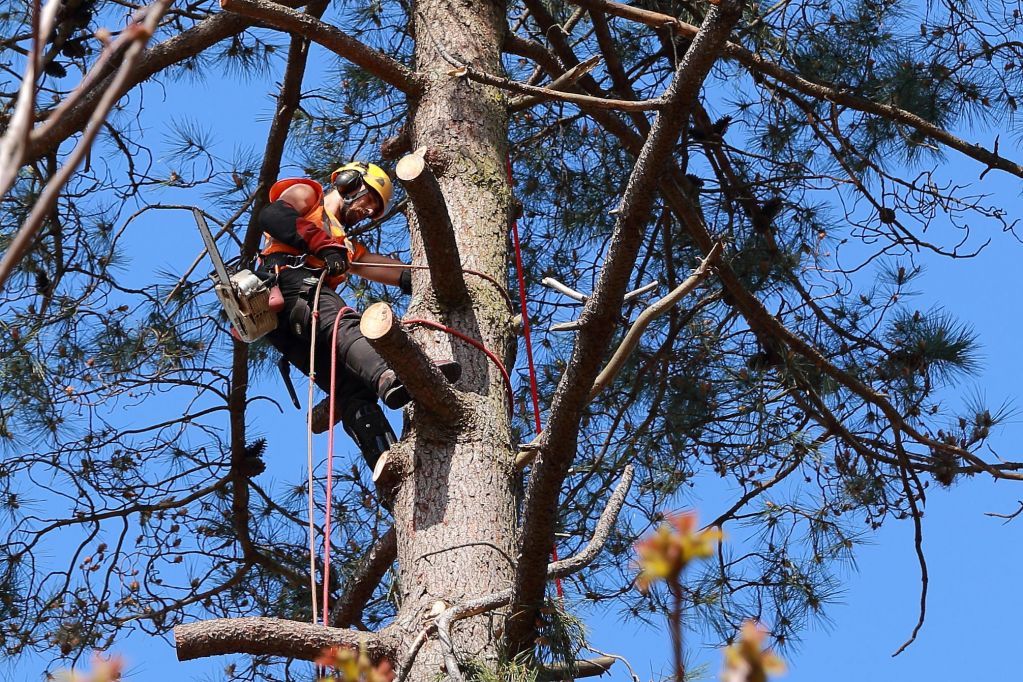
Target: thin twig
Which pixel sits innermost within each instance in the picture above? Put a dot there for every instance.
(472, 73)
(140, 34)
(14, 144)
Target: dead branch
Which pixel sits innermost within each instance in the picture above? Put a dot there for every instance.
(1007, 517)
(652, 312)
(434, 220)
(274, 637)
(421, 377)
(286, 19)
(564, 289)
(559, 84)
(588, 668)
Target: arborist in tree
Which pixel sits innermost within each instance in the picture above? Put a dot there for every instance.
(304, 228)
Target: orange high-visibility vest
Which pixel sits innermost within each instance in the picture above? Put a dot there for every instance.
(318, 215)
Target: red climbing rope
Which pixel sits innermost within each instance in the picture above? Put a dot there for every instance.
(475, 344)
(330, 469)
(529, 349)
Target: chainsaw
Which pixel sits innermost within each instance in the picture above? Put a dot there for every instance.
(250, 304)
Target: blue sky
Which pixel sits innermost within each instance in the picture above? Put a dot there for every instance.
(972, 558)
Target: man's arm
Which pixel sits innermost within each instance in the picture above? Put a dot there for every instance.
(388, 275)
(282, 222)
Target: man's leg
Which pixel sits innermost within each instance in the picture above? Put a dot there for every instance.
(354, 354)
(365, 422)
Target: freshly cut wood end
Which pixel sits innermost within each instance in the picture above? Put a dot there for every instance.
(411, 166)
(377, 320)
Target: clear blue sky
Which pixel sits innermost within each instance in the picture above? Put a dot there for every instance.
(973, 559)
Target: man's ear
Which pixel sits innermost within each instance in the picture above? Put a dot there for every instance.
(302, 198)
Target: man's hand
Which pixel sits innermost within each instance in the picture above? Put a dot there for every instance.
(336, 261)
(405, 282)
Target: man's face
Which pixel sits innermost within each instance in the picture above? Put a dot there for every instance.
(364, 205)
(360, 208)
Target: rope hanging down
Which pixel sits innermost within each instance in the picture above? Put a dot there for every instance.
(309, 446)
(529, 348)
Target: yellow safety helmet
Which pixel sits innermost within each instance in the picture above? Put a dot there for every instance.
(374, 177)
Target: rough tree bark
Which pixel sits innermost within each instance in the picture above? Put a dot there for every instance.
(455, 513)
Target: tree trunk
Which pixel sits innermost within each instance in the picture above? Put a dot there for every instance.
(454, 508)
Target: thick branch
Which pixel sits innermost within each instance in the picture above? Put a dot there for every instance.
(417, 372)
(361, 585)
(558, 442)
(392, 72)
(273, 637)
(435, 225)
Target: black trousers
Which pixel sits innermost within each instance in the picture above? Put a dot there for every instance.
(358, 365)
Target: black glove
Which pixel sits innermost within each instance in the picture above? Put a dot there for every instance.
(405, 282)
(336, 261)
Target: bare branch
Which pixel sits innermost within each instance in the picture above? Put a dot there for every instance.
(564, 289)
(286, 19)
(588, 668)
(601, 532)
(539, 93)
(139, 34)
(652, 312)
(273, 637)
(434, 221)
(14, 144)
(559, 84)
